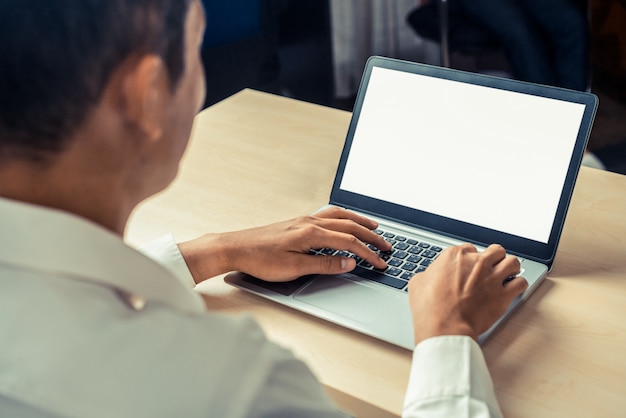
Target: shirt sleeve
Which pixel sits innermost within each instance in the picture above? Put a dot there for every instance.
(164, 251)
(449, 378)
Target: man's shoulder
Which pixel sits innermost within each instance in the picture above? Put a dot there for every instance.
(93, 346)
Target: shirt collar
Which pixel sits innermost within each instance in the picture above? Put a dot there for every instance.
(59, 243)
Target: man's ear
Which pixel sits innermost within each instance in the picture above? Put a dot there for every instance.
(144, 94)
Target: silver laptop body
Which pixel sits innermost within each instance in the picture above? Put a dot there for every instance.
(442, 157)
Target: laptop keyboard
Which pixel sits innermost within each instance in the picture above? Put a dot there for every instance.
(407, 257)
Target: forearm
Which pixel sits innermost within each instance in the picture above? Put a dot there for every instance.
(281, 251)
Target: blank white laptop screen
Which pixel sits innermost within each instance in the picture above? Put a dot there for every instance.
(505, 154)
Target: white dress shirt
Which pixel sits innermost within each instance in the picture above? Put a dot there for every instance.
(90, 327)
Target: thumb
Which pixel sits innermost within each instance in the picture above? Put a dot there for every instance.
(516, 287)
(335, 264)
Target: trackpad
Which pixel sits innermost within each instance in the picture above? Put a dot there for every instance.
(359, 301)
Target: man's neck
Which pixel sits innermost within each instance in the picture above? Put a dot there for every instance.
(66, 186)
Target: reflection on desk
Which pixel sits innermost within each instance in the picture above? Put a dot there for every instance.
(256, 158)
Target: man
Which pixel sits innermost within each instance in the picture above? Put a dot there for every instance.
(98, 99)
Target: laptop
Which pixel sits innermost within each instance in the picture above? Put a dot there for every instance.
(441, 157)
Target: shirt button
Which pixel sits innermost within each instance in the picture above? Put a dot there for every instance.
(134, 301)
(137, 302)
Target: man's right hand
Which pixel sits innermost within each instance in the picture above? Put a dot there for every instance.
(463, 292)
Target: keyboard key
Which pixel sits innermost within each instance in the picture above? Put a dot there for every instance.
(400, 254)
(429, 254)
(395, 262)
(409, 266)
(406, 258)
(392, 271)
(401, 245)
(365, 264)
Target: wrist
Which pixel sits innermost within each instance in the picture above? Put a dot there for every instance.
(206, 256)
(448, 328)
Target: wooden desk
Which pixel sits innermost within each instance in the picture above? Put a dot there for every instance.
(257, 158)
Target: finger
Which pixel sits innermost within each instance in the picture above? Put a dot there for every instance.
(324, 264)
(340, 213)
(300, 264)
(494, 254)
(350, 227)
(515, 287)
(328, 238)
(508, 267)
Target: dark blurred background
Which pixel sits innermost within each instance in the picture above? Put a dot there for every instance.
(314, 50)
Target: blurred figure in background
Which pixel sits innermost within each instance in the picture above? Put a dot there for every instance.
(545, 41)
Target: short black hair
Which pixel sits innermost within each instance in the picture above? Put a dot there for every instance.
(56, 57)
